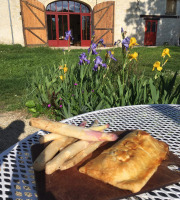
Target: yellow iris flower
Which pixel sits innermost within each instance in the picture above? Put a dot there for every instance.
(133, 56)
(157, 65)
(165, 52)
(65, 68)
(61, 77)
(133, 42)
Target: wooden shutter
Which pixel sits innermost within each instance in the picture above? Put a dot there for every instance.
(34, 23)
(103, 22)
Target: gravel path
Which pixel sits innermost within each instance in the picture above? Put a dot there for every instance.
(14, 126)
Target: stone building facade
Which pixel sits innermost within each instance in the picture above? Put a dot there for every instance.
(157, 20)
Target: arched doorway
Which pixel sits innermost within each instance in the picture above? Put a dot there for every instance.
(68, 15)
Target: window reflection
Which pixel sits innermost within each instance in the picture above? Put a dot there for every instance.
(65, 6)
(86, 27)
(63, 27)
(77, 7)
(87, 10)
(71, 6)
(83, 8)
(48, 7)
(59, 6)
(53, 6)
(51, 23)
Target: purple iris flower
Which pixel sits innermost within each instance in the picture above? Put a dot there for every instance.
(101, 41)
(126, 42)
(68, 34)
(83, 58)
(111, 56)
(98, 61)
(93, 48)
(122, 30)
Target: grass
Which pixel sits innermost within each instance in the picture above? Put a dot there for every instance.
(18, 64)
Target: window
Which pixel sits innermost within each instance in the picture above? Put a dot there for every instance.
(171, 7)
(51, 27)
(148, 27)
(154, 27)
(86, 27)
(67, 6)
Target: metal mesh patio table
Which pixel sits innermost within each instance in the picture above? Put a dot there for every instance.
(17, 181)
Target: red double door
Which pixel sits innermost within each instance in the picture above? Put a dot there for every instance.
(59, 23)
(150, 32)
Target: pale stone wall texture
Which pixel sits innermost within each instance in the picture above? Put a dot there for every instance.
(127, 15)
(6, 35)
(5, 30)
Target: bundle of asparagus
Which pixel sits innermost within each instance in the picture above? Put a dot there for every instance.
(69, 143)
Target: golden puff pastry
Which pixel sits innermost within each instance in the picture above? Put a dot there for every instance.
(129, 163)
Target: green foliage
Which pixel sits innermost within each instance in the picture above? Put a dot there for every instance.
(35, 109)
(80, 89)
(38, 70)
(165, 90)
(18, 65)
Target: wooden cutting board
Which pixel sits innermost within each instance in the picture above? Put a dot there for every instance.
(72, 185)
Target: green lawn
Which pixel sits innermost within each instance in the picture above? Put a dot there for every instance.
(18, 64)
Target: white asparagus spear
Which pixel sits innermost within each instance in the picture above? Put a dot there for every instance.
(50, 137)
(64, 155)
(80, 156)
(54, 136)
(50, 151)
(72, 131)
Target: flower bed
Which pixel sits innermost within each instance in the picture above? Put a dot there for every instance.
(93, 83)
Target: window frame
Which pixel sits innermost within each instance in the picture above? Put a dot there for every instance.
(81, 6)
(170, 12)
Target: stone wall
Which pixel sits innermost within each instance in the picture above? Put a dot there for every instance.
(168, 31)
(5, 31)
(126, 16)
(6, 35)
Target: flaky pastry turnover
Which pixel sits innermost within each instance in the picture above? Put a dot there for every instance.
(129, 163)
